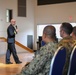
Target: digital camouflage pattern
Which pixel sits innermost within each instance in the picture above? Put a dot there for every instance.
(68, 43)
(40, 65)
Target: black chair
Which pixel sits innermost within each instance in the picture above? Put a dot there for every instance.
(72, 63)
(58, 62)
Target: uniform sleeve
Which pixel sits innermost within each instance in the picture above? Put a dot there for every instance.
(36, 65)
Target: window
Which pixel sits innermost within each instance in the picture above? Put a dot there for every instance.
(22, 8)
(8, 15)
(57, 26)
(45, 2)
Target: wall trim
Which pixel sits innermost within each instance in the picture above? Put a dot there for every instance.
(3, 39)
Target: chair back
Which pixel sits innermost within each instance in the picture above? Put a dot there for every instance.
(72, 63)
(58, 62)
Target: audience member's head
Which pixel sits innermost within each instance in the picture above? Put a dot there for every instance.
(65, 29)
(73, 34)
(49, 34)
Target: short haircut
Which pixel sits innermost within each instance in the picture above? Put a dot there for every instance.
(50, 31)
(12, 20)
(67, 28)
(74, 30)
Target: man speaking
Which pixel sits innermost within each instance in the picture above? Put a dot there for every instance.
(11, 32)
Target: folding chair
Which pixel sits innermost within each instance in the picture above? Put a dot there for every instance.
(58, 62)
(72, 63)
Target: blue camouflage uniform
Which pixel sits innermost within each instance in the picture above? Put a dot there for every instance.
(40, 65)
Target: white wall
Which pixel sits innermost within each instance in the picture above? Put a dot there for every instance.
(56, 13)
(25, 24)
